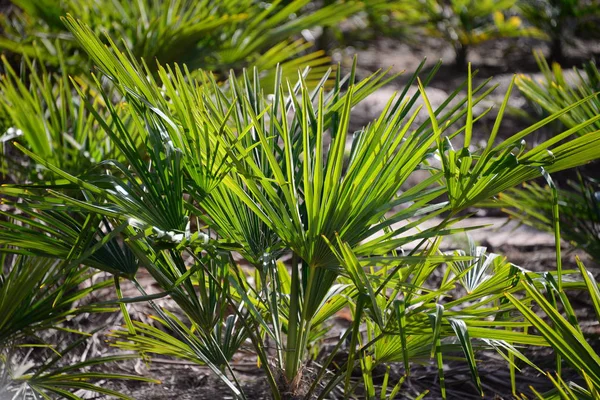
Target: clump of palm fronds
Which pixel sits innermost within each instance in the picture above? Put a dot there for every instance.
(252, 205)
(216, 35)
(564, 333)
(558, 88)
(579, 210)
(37, 295)
(577, 201)
(560, 20)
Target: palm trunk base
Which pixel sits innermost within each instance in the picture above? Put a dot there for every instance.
(556, 51)
(462, 53)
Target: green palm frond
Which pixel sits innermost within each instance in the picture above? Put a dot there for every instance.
(564, 334)
(577, 200)
(44, 113)
(559, 89)
(579, 211)
(37, 294)
(62, 233)
(483, 269)
(474, 177)
(211, 331)
(186, 344)
(73, 381)
(408, 322)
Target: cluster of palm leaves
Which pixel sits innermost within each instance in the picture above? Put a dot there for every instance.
(579, 210)
(464, 24)
(260, 215)
(37, 294)
(577, 201)
(37, 94)
(572, 213)
(558, 88)
(560, 19)
(215, 35)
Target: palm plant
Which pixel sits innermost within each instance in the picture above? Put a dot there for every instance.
(214, 171)
(216, 35)
(407, 323)
(43, 113)
(464, 23)
(558, 19)
(578, 205)
(564, 333)
(557, 89)
(36, 296)
(41, 110)
(576, 202)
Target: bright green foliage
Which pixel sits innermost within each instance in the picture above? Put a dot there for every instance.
(564, 333)
(476, 177)
(41, 110)
(408, 323)
(463, 23)
(558, 90)
(33, 229)
(578, 201)
(216, 35)
(216, 171)
(579, 207)
(50, 381)
(36, 296)
(43, 113)
(559, 18)
(212, 332)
